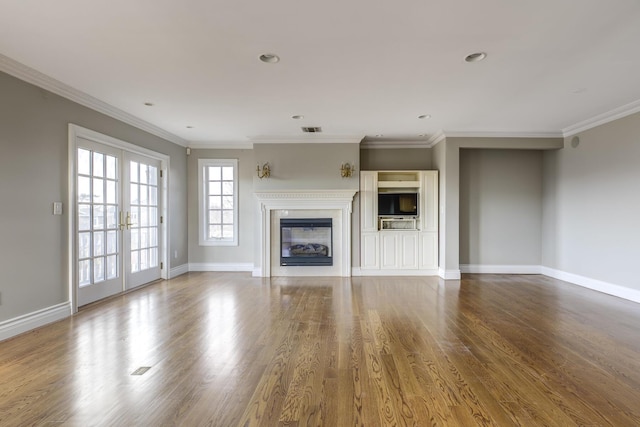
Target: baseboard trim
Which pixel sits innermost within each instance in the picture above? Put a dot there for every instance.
(593, 284)
(500, 269)
(212, 266)
(21, 324)
(359, 272)
(449, 274)
(178, 271)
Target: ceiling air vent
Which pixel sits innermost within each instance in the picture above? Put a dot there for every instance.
(311, 129)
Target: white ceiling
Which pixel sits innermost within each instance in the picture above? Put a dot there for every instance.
(356, 68)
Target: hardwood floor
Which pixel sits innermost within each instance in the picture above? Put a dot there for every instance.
(225, 349)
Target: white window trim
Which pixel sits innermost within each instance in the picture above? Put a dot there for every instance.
(202, 202)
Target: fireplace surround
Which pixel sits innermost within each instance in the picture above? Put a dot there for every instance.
(334, 204)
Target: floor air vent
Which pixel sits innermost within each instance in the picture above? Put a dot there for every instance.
(141, 370)
(311, 129)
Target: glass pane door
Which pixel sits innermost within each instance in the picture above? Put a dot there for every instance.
(98, 246)
(143, 237)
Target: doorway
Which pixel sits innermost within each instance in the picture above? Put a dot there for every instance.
(118, 201)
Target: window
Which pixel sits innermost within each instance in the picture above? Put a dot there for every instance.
(218, 190)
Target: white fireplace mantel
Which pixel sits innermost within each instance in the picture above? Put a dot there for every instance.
(269, 201)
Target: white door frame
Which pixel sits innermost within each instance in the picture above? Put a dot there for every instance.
(76, 132)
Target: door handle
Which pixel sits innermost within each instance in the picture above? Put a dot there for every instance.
(129, 223)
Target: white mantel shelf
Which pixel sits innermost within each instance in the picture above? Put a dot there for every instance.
(269, 201)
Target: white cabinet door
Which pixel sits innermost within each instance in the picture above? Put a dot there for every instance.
(429, 250)
(369, 201)
(369, 258)
(399, 250)
(429, 203)
(408, 250)
(388, 251)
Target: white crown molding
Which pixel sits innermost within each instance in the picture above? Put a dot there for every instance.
(237, 145)
(307, 139)
(436, 139)
(601, 119)
(43, 81)
(500, 134)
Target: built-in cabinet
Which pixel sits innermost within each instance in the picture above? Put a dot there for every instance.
(399, 244)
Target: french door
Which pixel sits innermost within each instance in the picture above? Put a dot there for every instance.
(118, 240)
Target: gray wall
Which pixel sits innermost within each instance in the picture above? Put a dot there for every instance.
(247, 238)
(446, 159)
(395, 159)
(500, 207)
(306, 166)
(591, 204)
(293, 167)
(34, 174)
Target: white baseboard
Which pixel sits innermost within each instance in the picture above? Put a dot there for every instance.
(449, 274)
(500, 269)
(596, 285)
(213, 266)
(360, 272)
(178, 271)
(18, 325)
(257, 272)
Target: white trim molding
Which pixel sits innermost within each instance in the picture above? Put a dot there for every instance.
(593, 284)
(178, 271)
(219, 266)
(500, 269)
(449, 274)
(601, 119)
(29, 75)
(358, 272)
(27, 322)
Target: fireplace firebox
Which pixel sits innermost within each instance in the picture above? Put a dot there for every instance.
(306, 241)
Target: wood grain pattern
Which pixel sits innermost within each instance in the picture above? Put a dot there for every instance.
(226, 349)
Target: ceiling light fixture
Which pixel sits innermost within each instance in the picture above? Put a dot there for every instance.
(269, 58)
(475, 57)
(149, 104)
(379, 135)
(425, 116)
(297, 117)
(189, 127)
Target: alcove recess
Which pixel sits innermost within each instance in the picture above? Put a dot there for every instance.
(399, 244)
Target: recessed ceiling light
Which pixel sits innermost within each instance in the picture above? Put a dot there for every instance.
(297, 117)
(422, 135)
(425, 116)
(475, 57)
(149, 104)
(379, 135)
(269, 58)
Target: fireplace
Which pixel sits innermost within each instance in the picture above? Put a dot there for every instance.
(306, 204)
(306, 241)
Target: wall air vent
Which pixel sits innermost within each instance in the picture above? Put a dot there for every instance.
(311, 129)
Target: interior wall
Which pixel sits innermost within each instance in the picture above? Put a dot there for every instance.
(591, 204)
(306, 166)
(373, 159)
(34, 174)
(500, 207)
(247, 239)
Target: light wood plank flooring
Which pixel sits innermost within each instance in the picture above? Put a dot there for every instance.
(226, 349)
